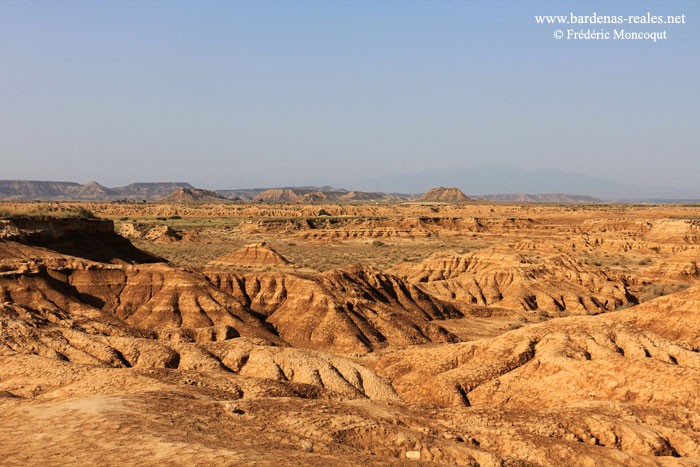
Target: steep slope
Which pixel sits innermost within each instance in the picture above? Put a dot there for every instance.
(92, 239)
(81, 266)
(148, 296)
(93, 191)
(278, 195)
(253, 255)
(357, 309)
(192, 195)
(444, 194)
(508, 277)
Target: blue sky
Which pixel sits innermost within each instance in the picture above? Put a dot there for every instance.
(225, 94)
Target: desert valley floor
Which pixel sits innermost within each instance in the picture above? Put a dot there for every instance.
(468, 333)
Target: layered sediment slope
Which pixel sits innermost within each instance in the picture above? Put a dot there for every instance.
(357, 309)
(682, 267)
(444, 194)
(253, 255)
(510, 278)
(378, 227)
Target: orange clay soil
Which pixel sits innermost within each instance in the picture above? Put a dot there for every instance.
(349, 334)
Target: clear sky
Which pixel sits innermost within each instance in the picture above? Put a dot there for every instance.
(225, 94)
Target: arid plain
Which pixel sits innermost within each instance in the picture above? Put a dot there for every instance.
(443, 333)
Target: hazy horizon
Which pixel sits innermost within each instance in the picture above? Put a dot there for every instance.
(349, 94)
(475, 181)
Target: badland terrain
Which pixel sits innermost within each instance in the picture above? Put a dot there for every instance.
(440, 331)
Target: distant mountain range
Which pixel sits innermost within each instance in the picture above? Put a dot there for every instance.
(30, 190)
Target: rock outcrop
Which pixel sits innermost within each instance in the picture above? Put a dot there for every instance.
(507, 277)
(444, 195)
(255, 255)
(92, 239)
(163, 234)
(357, 309)
(682, 267)
(278, 195)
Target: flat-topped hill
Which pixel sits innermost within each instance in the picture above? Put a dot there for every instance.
(445, 195)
